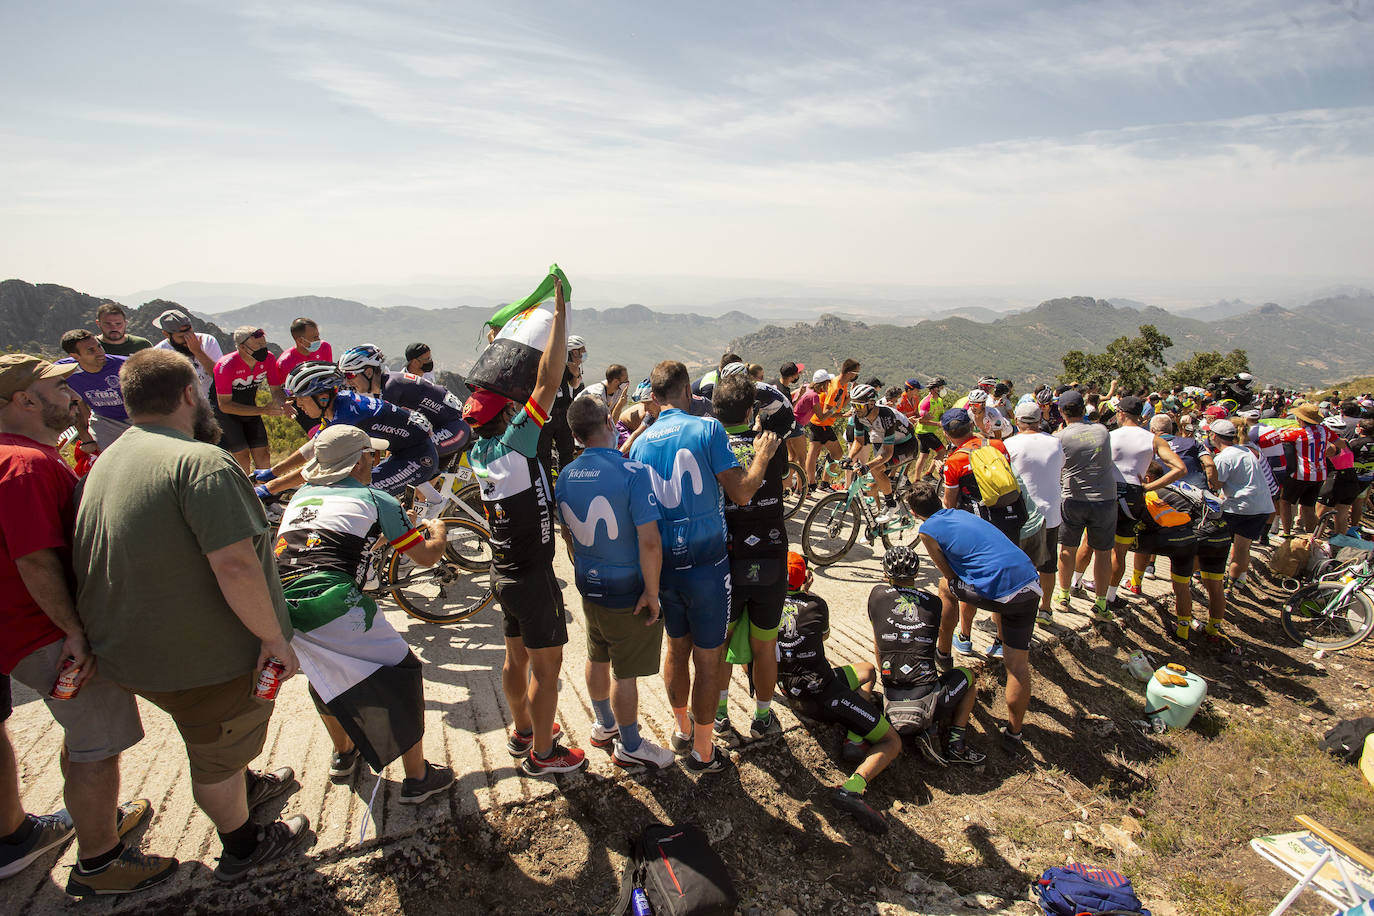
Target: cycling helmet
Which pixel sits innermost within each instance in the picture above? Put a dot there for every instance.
(863, 394)
(901, 562)
(734, 369)
(987, 380)
(936, 381)
(977, 396)
(1245, 378)
(356, 359)
(576, 343)
(643, 391)
(1044, 396)
(1335, 422)
(314, 377)
(1001, 390)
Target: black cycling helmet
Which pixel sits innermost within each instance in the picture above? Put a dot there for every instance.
(901, 562)
(936, 381)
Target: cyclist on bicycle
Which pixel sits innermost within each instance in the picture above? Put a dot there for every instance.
(987, 419)
(317, 388)
(927, 427)
(364, 369)
(890, 438)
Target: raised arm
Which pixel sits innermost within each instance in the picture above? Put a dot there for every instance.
(555, 358)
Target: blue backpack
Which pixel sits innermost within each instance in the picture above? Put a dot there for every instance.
(1077, 889)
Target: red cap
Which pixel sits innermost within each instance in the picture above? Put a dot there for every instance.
(1216, 412)
(796, 571)
(483, 405)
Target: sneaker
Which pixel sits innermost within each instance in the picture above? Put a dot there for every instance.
(944, 661)
(995, 650)
(855, 805)
(963, 644)
(1221, 644)
(435, 780)
(718, 763)
(1044, 615)
(766, 727)
(888, 515)
(928, 743)
(51, 830)
(855, 751)
(263, 786)
(963, 754)
(726, 733)
(645, 756)
(560, 760)
(131, 815)
(131, 871)
(1103, 612)
(518, 745)
(680, 743)
(1014, 745)
(275, 841)
(343, 763)
(1132, 589)
(603, 737)
(1118, 603)
(1062, 600)
(1150, 571)
(1083, 589)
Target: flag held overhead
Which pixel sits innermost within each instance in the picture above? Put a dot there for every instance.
(509, 365)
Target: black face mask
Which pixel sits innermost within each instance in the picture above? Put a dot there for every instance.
(427, 367)
(260, 354)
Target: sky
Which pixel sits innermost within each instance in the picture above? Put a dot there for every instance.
(1107, 148)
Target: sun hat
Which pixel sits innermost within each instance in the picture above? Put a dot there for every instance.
(337, 449)
(19, 370)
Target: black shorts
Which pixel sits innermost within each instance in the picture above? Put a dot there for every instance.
(1341, 488)
(821, 434)
(1130, 509)
(1300, 492)
(842, 703)
(758, 584)
(905, 451)
(1018, 615)
(913, 711)
(241, 433)
(1250, 527)
(532, 605)
(929, 442)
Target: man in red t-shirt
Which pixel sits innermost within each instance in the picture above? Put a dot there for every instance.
(39, 629)
(961, 486)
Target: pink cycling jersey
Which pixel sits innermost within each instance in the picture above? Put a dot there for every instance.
(236, 378)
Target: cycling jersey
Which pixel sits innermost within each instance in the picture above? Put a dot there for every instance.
(756, 529)
(292, 357)
(905, 624)
(234, 377)
(403, 429)
(436, 403)
(602, 498)
(932, 409)
(333, 527)
(684, 454)
(1306, 448)
(887, 427)
(516, 493)
(1363, 447)
(802, 667)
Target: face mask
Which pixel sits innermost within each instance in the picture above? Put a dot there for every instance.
(314, 346)
(260, 354)
(427, 367)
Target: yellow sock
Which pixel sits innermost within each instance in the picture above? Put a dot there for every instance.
(1137, 576)
(1213, 627)
(1185, 626)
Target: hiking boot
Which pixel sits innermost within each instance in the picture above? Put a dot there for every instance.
(1015, 745)
(131, 815)
(994, 650)
(435, 780)
(275, 841)
(854, 804)
(718, 763)
(726, 733)
(963, 754)
(855, 751)
(518, 745)
(647, 755)
(560, 760)
(603, 737)
(766, 727)
(928, 743)
(49, 831)
(131, 871)
(680, 743)
(962, 644)
(343, 763)
(265, 786)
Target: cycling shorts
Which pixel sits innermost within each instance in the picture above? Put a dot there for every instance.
(842, 702)
(454, 438)
(912, 711)
(1341, 488)
(532, 606)
(1018, 614)
(409, 468)
(696, 603)
(758, 585)
(241, 433)
(929, 442)
(821, 434)
(905, 451)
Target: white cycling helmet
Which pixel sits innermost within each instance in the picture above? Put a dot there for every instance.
(576, 343)
(988, 381)
(312, 378)
(863, 394)
(356, 359)
(1335, 422)
(977, 396)
(734, 369)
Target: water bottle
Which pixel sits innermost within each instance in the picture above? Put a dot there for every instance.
(639, 903)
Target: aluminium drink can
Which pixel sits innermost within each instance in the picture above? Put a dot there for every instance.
(269, 679)
(66, 687)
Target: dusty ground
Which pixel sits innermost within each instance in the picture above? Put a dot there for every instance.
(1174, 811)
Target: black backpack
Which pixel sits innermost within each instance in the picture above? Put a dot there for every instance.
(679, 872)
(1346, 740)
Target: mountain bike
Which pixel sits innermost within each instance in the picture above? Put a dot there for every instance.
(1335, 612)
(794, 489)
(833, 524)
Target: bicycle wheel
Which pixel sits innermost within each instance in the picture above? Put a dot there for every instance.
(467, 503)
(794, 489)
(446, 592)
(1309, 622)
(469, 544)
(830, 529)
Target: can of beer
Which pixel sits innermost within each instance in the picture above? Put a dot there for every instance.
(65, 687)
(269, 679)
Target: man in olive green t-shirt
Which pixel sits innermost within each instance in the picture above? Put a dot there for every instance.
(114, 337)
(178, 593)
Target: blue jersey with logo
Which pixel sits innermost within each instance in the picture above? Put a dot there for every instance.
(404, 429)
(684, 454)
(602, 498)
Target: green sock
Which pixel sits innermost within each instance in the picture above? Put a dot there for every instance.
(853, 738)
(762, 709)
(956, 735)
(723, 707)
(856, 784)
(1063, 593)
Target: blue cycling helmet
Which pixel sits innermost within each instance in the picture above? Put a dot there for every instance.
(356, 359)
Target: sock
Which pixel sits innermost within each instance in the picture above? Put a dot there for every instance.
(852, 738)
(629, 736)
(1015, 736)
(1111, 594)
(1238, 581)
(241, 842)
(100, 861)
(1137, 576)
(1062, 593)
(723, 707)
(956, 736)
(604, 716)
(684, 724)
(1100, 604)
(1077, 579)
(1213, 627)
(1183, 626)
(856, 784)
(23, 832)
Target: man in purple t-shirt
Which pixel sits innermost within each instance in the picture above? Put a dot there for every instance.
(103, 418)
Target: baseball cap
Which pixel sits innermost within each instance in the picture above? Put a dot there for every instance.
(337, 449)
(245, 332)
(1223, 428)
(1131, 405)
(1029, 411)
(19, 370)
(955, 416)
(414, 350)
(1216, 412)
(796, 570)
(1072, 401)
(819, 376)
(173, 320)
(914, 383)
(483, 405)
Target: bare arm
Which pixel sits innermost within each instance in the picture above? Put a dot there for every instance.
(650, 565)
(951, 497)
(740, 485)
(1209, 467)
(46, 580)
(1174, 467)
(937, 556)
(436, 542)
(238, 570)
(555, 358)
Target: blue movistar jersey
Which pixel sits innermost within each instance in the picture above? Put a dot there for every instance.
(436, 403)
(404, 429)
(602, 498)
(684, 454)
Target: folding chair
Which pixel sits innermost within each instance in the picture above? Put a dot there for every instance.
(1323, 862)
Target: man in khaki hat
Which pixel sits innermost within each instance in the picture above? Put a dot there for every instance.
(40, 631)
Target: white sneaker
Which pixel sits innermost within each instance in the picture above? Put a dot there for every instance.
(647, 754)
(889, 514)
(603, 737)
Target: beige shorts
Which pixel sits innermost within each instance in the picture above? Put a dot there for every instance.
(619, 636)
(98, 723)
(224, 725)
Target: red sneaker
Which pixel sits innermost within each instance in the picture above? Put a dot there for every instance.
(560, 760)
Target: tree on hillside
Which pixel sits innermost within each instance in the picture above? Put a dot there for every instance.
(1200, 368)
(1131, 361)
